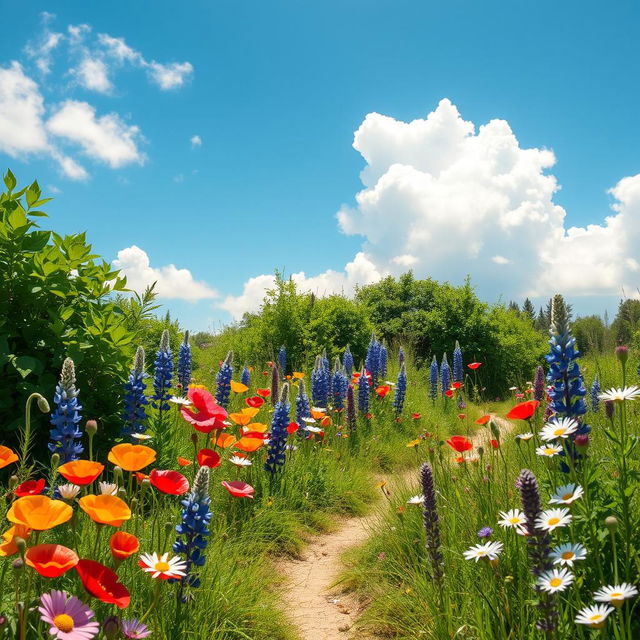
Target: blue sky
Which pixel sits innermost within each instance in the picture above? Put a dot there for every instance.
(275, 92)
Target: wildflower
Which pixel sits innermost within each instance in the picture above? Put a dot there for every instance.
(264, 393)
(168, 481)
(525, 436)
(488, 550)
(372, 360)
(163, 373)
(238, 489)
(339, 386)
(51, 560)
(431, 523)
(620, 395)
(445, 374)
(133, 629)
(483, 419)
(514, 519)
(616, 594)
(351, 409)
(363, 392)
(460, 444)
(131, 457)
(553, 518)
(208, 458)
(68, 491)
(185, 402)
(594, 616)
(108, 488)
(568, 553)
(384, 358)
(102, 583)
(240, 462)
(81, 472)
(595, 394)
(162, 566)
(184, 362)
(282, 359)
(275, 381)
(433, 378)
(538, 384)
(474, 365)
(549, 450)
(193, 529)
(30, 488)
(141, 437)
(567, 494)
(319, 383)
(7, 456)
(8, 546)
(134, 414)
(524, 410)
(278, 439)
(485, 532)
(555, 580)
(67, 617)
(245, 376)
(183, 462)
(209, 415)
(223, 381)
(401, 390)
(123, 545)
(458, 373)
(105, 509)
(65, 435)
(558, 428)
(347, 361)
(39, 512)
(254, 402)
(416, 500)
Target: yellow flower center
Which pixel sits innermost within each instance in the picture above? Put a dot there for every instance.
(162, 566)
(559, 431)
(568, 555)
(555, 582)
(515, 520)
(567, 496)
(549, 451)
(553, 521)
(63, 622)
(596, 617)
(616, 595)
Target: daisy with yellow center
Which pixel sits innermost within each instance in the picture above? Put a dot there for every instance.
(561, 428)
(615, 595)
(594, 616)
(162, 566)
(513, 519)
(525, 436)
(555, 580)
(553, 518)
(620, 395)
(567, 494)
(549, 450)
(487, 551)
(567, 554)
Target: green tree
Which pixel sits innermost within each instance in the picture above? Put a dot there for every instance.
(627, 321)
(589, 332)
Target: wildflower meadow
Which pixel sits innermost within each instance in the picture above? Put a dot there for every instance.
(154, 481)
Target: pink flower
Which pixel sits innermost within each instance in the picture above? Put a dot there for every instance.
(68, 618)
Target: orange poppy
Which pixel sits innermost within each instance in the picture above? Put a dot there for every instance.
(382, 390)
(81, 472)
(325, 422)
(105, 509)
(7, 456)
(298, 375)
(225, 440)
(183, 462)
(123, 545)
(249, 444)
(238, 387)
(241, 419)
(265, 393)
(250, 411)
(102, 583)
(483, 419)
(317, 414)
(9, 547)
(257, 427)
(39, 512)
(131, 457)
(51, 560)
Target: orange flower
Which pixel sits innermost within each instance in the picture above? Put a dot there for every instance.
(183, 462)
(225, 440)
(9, 547)
(240, 418)
(81, 472)
(317, 414)
(524, 410)
(238, 387)
(250, 411)
(7, 456)
(483, 419)
(51, 560)
(249, 444)
(132, 457)
(325, 422)
(257, 427)
(123, 545)
(105, 509)
(382, 390)
(298, 375)
(39, 512)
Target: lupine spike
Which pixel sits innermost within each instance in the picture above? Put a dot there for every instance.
(445, 374)
(401, 356)
(339, 385)
(320, 384)
(278, 436)
(401, 390)
(163, 374)
(538, 384)
(434, 374)
(282, 359)
(184, 363)
(595, 392)
(223, 381)
(431, 524)
(347, 361)
(458, 373)
(134, 415)
(303, 410)
(383, 360)
(66, 435)
(363, 392)
(351, 409)
(372, 360)
(245, 377)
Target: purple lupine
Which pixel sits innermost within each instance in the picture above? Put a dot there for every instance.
(538, 384)
(595, 393)
(431, 524)
(445, 374)
(303, 410)
(363, 392)
(400, 391)
(458, 373)
(245, 376)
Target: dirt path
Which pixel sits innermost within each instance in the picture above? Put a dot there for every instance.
(316, 611)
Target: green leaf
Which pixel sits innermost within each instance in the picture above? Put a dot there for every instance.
(26, 365)
(10, 180)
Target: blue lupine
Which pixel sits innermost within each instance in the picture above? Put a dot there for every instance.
(458, 373)
(401, 390)
(278, 436)
(282, 359)
(401, 357)
(163, 374)
(320, 384)
(347, 361)
(245, 377)
(303, 410)
(351, 409)
(445, 374)
(184, 364)
(325, 360)
(567, 387)
(383, 361)
(193, 530)
(275, 385)
(595, 392)
(339, 385)
(434, 375)
(363, 392)
(65, 435)
(134, 415)
(223, 381)
(372, 360)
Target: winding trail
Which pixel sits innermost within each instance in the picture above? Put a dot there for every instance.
(318, 611)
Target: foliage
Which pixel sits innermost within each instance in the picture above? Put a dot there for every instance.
(590, 334)
(627, 321)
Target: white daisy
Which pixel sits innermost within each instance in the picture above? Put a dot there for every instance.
(416, 500)
(594, 616)
(525, 436)
(549, 450)
(240, 462)
(619, 395)
(108, 488)
(555, 580)
(568, 553)
(567, 494)
(561, 428)
(141, 436)
(391, 384)
(163, 566)
(309, 420)
(616, 594)
(178, 400)
(68, 491)
(488, 551)
(319, 409)
(314, 429)
(512, 519)
(513, 388)
(553, 518)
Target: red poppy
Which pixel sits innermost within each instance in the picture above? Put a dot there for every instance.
(462, 416)
(51, 560)
(474, 365)
(30, 488)
(519, 395)
(524, 410)
(102, 583)
(416, 416)
(140, 476)
(449, 393)
(382, 390)
(459, 443)
(210, 415)
(255, 434)
(293, 427)
(460, 459)
(167, 481)
(208, 458)
(368, 416)
(457, 385)
(255, 402)
(183, 462)
(123, 545)
(239, 489)
(495, 444)
(483, 419)
(325, 422)
(265, 393)
(270, 364)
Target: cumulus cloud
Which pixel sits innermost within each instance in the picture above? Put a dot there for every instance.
(171, 282)
(93, 74)
(447, 199)
(196, 141)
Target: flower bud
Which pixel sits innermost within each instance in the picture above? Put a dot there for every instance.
(481, 452)
(622, 353)
(134, 504)
(122, 493)
(582, 441)
(194, 438)
(608, 409)
(611, 523)
(43, 404)
(144, 486)
(55, 460)
(13, 482)
(111, 627)
(117, 475)
(18, 564)
(91, 427)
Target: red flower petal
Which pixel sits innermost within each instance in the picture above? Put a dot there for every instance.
(255, 402)
(524, 410)
(208, 458)
(167, 481)
(209, 416)
(102, 583)
(460, 444)
(30, 488)
(474, 365)
(238, 489)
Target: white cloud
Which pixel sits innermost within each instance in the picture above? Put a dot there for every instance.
(447, 200)
(93, 74)
(42, 50)
(196, 141)
(169, 76)
(106, 138)
(171, 282)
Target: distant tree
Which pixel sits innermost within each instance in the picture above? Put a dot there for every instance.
(542, 321)
(589, 333)
(529, 311)
(513, 306)
(627, 321)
